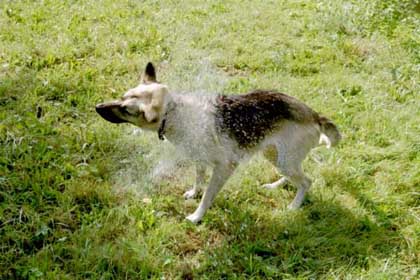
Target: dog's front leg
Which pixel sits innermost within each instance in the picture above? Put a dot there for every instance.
(200, 171)
(220, 175)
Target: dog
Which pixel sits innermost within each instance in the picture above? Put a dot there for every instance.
(222, 130)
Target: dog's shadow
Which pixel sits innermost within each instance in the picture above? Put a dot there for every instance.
(321, 237)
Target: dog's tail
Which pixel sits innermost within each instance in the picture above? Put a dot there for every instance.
(330, 136)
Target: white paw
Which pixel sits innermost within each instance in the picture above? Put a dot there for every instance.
(193, 218)
(275, 184)
(269, 186)
(190, 194)
(293, 206)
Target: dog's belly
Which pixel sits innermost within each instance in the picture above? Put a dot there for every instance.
(209, 150)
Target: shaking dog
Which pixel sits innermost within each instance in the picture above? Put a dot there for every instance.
(221, 131)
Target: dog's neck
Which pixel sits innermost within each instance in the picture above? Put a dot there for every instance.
(183, 115)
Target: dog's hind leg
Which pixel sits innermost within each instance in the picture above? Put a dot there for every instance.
(271, 153)
(220, 175)
(200, 171)
(303, 184)
(290, 164)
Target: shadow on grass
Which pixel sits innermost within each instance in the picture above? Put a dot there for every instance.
(320, 238)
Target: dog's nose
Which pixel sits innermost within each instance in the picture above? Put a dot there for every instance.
(102, 108)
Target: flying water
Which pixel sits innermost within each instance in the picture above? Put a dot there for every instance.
(153, 162)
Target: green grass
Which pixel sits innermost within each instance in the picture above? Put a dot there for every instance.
(76, 201)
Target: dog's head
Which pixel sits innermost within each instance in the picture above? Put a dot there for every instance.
(143, 106)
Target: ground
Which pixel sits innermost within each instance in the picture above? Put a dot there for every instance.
(77, 195)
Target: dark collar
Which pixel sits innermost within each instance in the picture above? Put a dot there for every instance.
(162, 127)
(161, 130)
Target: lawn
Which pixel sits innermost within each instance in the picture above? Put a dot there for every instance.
(79, 198)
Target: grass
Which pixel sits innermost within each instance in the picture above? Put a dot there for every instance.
(76, 201)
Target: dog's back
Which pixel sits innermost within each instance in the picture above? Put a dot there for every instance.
(249, 118)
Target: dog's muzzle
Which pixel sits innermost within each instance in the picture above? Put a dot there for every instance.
(106, 110)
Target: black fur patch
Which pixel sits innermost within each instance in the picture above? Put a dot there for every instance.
(106, 112)
(248, 118)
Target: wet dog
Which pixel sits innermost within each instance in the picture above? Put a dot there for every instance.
(223, 130)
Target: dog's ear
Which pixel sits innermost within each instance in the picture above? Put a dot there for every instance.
(149, 75)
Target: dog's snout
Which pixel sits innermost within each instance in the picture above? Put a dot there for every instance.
(106, 111)
(100, 106)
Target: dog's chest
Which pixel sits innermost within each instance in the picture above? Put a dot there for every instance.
(193, 131)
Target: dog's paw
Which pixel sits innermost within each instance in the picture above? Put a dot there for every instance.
(193, 218)
(293, 206)
(276, 184)
(269, 186)
(190, 194)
